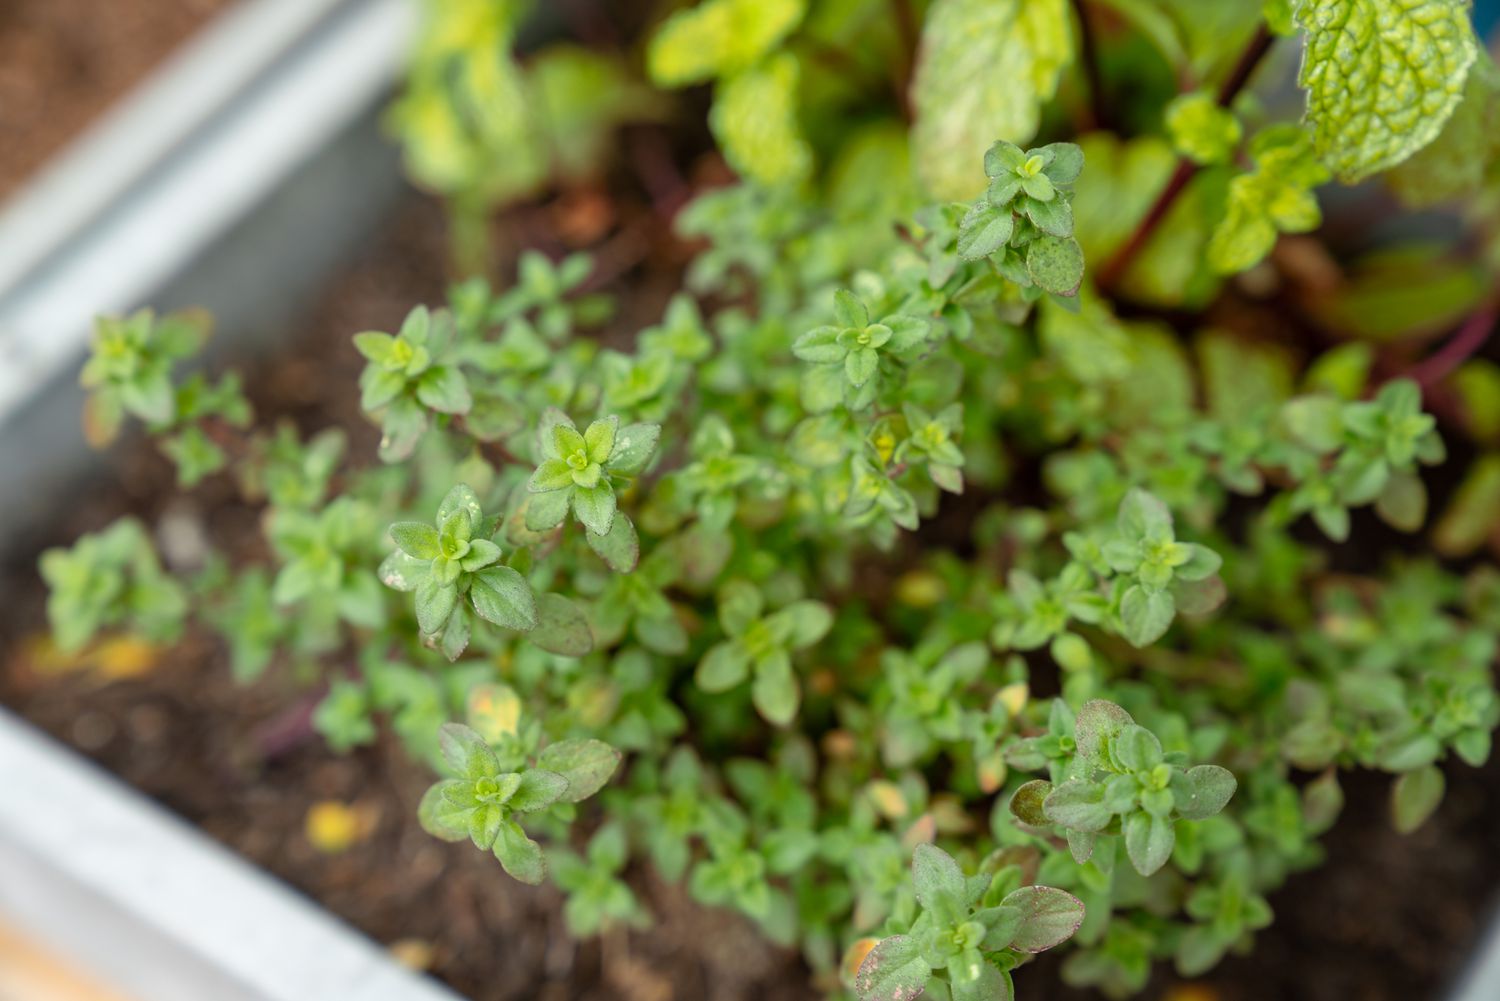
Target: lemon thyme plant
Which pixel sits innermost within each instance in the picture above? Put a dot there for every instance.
(920, 593)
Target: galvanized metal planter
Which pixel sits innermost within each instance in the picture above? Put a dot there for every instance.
(235, 179)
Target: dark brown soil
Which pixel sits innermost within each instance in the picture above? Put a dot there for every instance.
(1387, 918)
(62, 62)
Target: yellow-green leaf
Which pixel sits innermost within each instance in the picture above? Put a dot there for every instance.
(985, 67)
(755, 119)
(1382, 77)
(1457, 161)
(719, 38)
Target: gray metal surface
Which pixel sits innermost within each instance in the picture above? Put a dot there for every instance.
(236, 180)
(155, 908)
(243, 205)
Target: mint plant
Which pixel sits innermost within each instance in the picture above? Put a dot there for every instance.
(1014, 362)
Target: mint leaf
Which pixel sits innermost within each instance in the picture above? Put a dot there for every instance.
(984, 70)
(1382, 77)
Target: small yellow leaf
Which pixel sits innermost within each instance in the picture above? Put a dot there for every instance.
(494, 711)
(855, 955)
(1014, 697)
(888, 799)
(333, 827)
(921, 589)
(412, 953)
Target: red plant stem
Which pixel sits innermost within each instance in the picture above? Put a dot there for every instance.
(1117, 265)
(1238, 77)
(1089, 54)
(1466, 340)
(289, 729)
(1255, 51)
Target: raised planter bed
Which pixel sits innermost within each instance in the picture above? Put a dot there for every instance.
(253, 151)
(1390, 917)
(62, 62)
(153, 908)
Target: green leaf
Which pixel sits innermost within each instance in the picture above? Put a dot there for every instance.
(971, 977)
(1054, 217)
(520, 856)
(456, 633)
(587, 765)
(416, 538)
(1315, 421)
(484, 825)
(435, 602)
(149, 396)
(1099, 724)
(482, 552)
(754, 117)
(822, 388)
(820, 345)
(1415, 796)
(1204, 791)
(1199, 950)
(1472, 514)
(561, 627)
(595, 507)
(1143, 517)
(469, 754)
(1027, 802)
(939, 882)
(1202, 563)
(633, 448)
(893, 971)
(539, 789)
(1402, 502)
(985, 230)
(1055, 264)
(1137, 748)
(860, 365)
(984, 70)
(1382, 77)
(1201, 130)
(545, 511)
(378, 386)
(724, 665)
(374, 346)
(1276, 197)
(1456, 162)
(1049, 917)
(444, 388)
(402, 572)
(502, 596)
(775, 691)
(599, 438)
(740, 604)
(460, 498)
(1146, 615)
(718, 36)
(849, 310)
(1078, 806)
(621, 548)
(806, 622)
(440, 817)
(1148, 841)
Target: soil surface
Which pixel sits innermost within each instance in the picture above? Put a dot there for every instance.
(1387, 918)
(62, 62)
